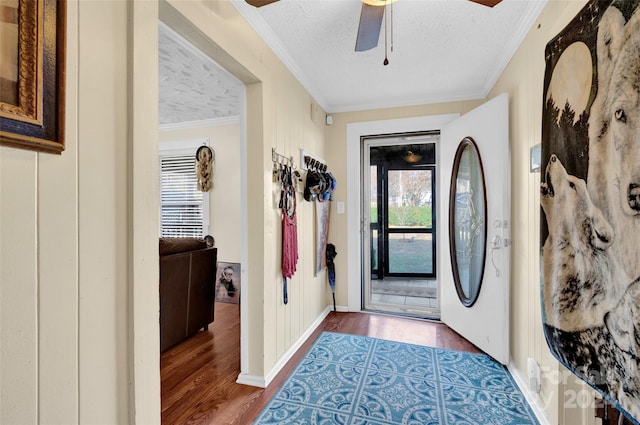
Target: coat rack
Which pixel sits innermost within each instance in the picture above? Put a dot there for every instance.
(312, 162)
(281, 159)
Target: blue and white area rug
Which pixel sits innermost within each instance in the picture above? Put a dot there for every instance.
(347, 379)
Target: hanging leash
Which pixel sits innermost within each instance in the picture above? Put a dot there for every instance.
(285, 295)
(289, 230)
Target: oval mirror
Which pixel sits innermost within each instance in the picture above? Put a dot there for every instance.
(467, 221)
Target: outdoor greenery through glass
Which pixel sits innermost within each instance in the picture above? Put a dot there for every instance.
(410, 207)
(401, 211)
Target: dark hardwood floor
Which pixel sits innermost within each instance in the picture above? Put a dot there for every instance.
(198, 376)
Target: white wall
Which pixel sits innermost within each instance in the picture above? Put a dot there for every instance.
(102, 207)
(64, 268)
(226, 193)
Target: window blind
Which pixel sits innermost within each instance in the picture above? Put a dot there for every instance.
(182, 208)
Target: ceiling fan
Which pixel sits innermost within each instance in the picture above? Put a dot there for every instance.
(370, 19)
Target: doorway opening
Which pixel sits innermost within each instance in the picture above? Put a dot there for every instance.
(201, 103)
(399, 217)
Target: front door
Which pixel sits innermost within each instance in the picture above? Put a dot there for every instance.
(486, 321)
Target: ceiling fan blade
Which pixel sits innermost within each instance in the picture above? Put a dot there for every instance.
(369, 28)
(489, 3)
(260, 3)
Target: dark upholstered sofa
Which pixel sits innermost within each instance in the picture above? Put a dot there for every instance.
(187, 288)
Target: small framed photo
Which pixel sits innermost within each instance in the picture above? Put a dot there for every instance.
(228, 283)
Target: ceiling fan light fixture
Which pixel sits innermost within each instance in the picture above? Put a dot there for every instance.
(260, 3)
(377, 2)
(412, 158)
(489, 3)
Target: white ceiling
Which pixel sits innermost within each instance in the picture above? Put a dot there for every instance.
(443, 50)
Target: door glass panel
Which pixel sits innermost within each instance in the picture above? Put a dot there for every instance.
(410, 198)
(373, 219)
(374, 250)
(374, 194)
(410, 253)
(467, 231)
(409, 223)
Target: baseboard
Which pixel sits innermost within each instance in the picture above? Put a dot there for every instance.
(340, 308)
(251, 380)
(533, 401)
(296, 346)
(262, 382)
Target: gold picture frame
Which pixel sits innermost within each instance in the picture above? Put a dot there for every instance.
(32, 70)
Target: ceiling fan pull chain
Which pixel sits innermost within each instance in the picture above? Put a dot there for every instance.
(391, 8)
(386, 61)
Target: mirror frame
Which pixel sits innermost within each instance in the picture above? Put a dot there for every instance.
(467, 142)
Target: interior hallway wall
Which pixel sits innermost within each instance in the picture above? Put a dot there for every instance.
(64, 244)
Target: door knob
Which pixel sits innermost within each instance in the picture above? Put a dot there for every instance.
(496, 243)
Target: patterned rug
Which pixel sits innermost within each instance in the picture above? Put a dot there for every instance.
(347, 379)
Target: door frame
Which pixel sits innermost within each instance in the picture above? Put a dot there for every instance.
(179, 18)
(355, 133)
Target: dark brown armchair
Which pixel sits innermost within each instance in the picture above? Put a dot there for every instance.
(187, 288)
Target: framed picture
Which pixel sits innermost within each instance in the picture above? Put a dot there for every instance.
(228, 283)
(32, 70)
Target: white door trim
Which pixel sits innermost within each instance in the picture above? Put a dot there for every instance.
(354, 170)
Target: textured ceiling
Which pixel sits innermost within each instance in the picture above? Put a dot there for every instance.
(192, 87)
(443, 50)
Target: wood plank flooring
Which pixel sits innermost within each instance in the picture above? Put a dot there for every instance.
(198, 376)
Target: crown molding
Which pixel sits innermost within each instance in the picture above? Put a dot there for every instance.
(417, 100)
(528, 18)
(213, 122)
(264, 31)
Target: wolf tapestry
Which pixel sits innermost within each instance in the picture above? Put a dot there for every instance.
(590, 196)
